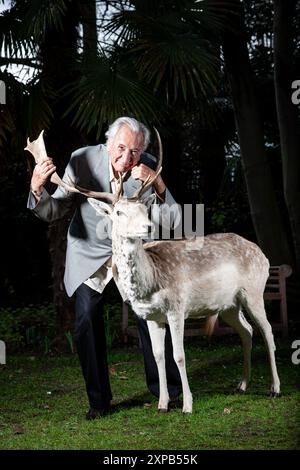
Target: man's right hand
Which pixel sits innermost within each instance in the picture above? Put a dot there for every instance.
(41, 174)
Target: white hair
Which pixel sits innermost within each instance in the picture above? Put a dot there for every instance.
(136, 127)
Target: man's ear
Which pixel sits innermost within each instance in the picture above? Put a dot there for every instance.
(149, 200)
(102, 208)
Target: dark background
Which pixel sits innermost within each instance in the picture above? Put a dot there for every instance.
(215, 78)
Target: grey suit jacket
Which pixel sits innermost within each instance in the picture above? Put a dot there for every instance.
(89, 168)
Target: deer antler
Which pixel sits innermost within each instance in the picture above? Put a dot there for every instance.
(149, 181)
(38, 150)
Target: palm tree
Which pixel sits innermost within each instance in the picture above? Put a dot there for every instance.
(267, 218)
(158, 60)
(85, 87)
(288, 115)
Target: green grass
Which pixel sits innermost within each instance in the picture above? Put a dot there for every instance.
(43, 404)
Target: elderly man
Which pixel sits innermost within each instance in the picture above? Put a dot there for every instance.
(87, 270)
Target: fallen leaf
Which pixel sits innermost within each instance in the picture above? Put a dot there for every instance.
(19, 430)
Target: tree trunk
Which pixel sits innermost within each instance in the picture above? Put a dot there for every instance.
(287, 113)
(89, 27)
(59, 57)
(266, 216)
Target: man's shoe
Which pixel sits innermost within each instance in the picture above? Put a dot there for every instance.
(94, 413)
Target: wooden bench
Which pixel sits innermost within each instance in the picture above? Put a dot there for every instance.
(275, 290)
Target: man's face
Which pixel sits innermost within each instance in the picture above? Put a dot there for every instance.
(125, 149)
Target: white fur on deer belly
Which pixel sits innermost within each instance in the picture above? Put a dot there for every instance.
(215, 291)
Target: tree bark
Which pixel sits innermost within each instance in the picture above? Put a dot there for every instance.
(89, 27)
(59, 56)
(266, 216)
(288, 120)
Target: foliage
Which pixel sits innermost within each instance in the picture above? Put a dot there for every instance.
(94, 104)
(170, 45)
(33, 328)
(70, 340)
(159, 60)
(152, 51)
(230, 211)
(44, 403)
(112, 318)
(24, 269)
(28, 328)
(90, 95)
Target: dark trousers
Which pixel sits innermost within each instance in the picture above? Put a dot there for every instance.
(91, 347)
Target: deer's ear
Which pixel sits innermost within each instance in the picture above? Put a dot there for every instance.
(149, 200)
(102, 208)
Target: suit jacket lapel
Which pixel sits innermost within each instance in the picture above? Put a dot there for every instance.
(131, 185)
(101, 170)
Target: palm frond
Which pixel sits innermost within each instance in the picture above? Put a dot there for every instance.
(37, 99)
(177, 63)
(8, 112)
(207, 17)
(43, 14)
(13, 43)
(107, 90)
(171, 42)
(28, 109)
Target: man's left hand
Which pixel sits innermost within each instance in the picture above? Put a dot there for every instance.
(142, 172)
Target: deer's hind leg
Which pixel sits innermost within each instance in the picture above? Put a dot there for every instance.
(255, 307)
(236, 319)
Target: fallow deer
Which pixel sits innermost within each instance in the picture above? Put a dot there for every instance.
(168, 281)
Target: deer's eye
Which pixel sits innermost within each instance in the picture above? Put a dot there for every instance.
(118, 213)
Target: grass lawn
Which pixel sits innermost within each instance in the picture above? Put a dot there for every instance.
(43, 403)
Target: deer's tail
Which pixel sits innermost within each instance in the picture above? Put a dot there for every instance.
(210, 324)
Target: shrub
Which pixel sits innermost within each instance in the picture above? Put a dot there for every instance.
(32, 327)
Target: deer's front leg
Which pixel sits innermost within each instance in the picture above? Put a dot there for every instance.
(157, 333)
(177, 334)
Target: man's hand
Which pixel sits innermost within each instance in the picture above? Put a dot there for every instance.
(142, 172)
(41, 174)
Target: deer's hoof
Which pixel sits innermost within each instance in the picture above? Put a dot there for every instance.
(239, 391)
(163, 410)
(275, 394)
(186, 413)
